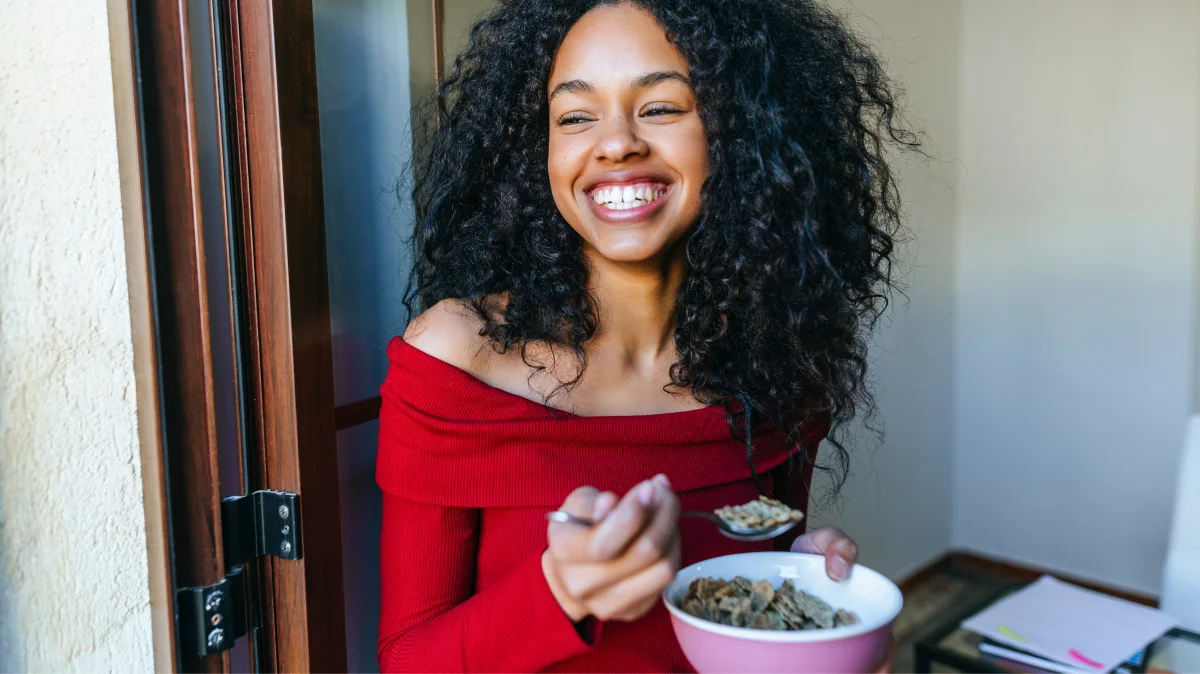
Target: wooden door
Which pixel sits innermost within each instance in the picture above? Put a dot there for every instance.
(321, 95)
(185, 260)
(268, 274)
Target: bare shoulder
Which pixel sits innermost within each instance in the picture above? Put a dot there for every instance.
(449, 331)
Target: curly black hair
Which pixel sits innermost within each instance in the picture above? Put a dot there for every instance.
(789, 265)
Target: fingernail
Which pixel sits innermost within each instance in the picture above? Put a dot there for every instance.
(839, 569)
(662, 480)
(645, 493)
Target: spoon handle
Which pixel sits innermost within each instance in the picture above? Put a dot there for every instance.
(567, 518)
(724, 527)
(703, 515)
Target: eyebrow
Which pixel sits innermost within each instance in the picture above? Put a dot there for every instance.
(647, 80)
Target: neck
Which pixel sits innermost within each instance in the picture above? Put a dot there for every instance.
(636, 306)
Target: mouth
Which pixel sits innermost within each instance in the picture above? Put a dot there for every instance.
(630, 201)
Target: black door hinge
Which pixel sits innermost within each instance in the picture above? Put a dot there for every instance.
(211, 617)
(263, 523)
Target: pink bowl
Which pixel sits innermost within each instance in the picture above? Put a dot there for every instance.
(711, 647)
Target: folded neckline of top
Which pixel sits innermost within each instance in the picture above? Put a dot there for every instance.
(399, 343)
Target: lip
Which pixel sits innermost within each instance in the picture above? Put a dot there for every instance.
(625, 177)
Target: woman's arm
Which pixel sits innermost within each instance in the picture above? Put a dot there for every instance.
(431, 621)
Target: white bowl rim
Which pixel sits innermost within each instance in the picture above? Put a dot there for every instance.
(793, 636)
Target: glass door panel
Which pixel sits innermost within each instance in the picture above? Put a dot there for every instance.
(362, 512)
(365, 101)
(375, 62)
(366, 147)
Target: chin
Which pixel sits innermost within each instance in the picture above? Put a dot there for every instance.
(630, 247)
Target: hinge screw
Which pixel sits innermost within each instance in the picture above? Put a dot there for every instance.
(285, 530)
(213, 602)
(216, 619)
(285, 547)
(284, 512)
(216, 637)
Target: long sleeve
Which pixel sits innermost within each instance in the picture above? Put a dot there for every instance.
(431, 621)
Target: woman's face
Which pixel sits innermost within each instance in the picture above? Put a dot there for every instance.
(628, 153)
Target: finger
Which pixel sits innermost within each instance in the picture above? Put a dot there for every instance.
(581, 502)
(659, 536)
(638, 610)
(623, 525)
(569, 540)
(840, 557)
(635, 591)
(818, 541)
(586, 580)
(840, 551)
(603, 505)
(663, 528)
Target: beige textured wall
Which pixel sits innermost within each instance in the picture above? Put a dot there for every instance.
(897, 503)
(1076, 280)
(73, 571)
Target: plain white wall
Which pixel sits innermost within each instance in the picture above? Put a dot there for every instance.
(1075, 267)
(74, 590)
(897, 503)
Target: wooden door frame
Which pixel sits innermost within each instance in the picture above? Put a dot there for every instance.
(277, 204)
(300, 605)
(274, 106)
(275, 110)
(141, 315)
(158, 162)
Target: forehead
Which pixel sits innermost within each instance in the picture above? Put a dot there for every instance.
(615, 43)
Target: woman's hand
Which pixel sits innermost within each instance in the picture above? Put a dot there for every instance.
(839, 550)
(617, 569)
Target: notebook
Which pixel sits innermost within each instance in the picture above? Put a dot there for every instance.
(1085, 630)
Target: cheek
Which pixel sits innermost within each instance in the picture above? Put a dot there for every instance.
(563, 165)
(685, 148)
(698, 156)
(692, 160)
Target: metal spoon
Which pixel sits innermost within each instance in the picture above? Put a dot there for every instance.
(729, 530)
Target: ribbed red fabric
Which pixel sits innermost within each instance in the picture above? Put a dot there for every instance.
(468, 472)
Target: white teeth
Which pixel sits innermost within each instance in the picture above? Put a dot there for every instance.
(620, 198)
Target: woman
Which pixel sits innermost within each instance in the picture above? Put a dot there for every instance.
(651, 239)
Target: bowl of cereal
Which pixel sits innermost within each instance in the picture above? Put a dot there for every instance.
(780, 612)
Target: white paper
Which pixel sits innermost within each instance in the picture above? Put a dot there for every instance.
(1026, 659)
(1072, 625)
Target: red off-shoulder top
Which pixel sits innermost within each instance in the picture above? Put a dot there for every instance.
(468, 472)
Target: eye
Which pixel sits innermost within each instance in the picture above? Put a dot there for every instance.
(573, 118)
(660, 109)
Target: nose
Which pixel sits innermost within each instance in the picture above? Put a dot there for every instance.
(620, 141)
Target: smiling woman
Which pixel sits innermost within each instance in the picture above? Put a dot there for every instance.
(624, 122)
(651, 240)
